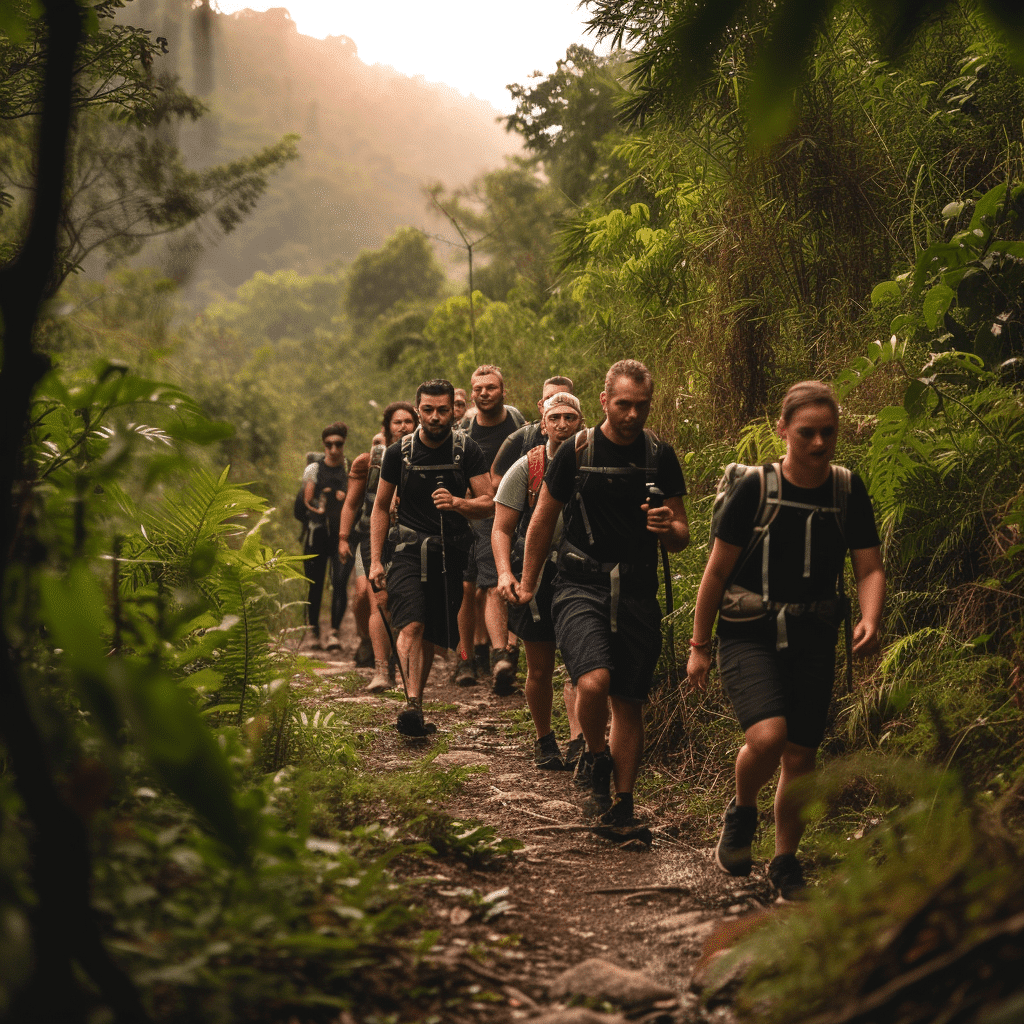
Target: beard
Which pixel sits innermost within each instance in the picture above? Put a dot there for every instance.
(438, 433)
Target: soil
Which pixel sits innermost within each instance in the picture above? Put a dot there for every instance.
(567, 895)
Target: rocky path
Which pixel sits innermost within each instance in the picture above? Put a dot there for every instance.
(571, 929)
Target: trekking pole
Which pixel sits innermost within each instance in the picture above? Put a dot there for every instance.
(444, 576)
(391, 638)
(655, 499)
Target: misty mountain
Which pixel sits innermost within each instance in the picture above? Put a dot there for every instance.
(370, 139)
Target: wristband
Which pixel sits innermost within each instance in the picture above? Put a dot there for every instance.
(697, 646)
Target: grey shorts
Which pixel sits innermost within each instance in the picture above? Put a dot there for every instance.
(358, 569)
(582, 617)
(794, 683)
(520, 617)
(483, 555)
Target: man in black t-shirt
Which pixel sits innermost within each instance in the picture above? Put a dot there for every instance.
(484, 620)
(605, 607)
(325, 484)
(431, 471)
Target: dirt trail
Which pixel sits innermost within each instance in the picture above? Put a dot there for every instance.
(571, 895)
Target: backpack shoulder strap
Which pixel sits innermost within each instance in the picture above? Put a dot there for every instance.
(651, 448)
(842, 482)
(536, 462)
(585, 448)
(406, 451)
(517, 417)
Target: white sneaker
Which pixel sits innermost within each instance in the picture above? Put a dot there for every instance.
(333, 643)
(379, 683)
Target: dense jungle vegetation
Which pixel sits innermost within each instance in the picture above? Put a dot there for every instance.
(157, 777)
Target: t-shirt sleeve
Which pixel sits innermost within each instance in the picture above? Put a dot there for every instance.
(391, 466)
(475, 460)
(560, 475)
(737, 523)
(510, 450)
(669, 476)
(514, 485)
(861, 531)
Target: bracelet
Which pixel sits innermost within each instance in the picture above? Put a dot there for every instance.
(697, 646)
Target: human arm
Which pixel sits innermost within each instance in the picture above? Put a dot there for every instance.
(307, 496)
(350, 510)
(538, 541)
(506, 520)
(480, 506)
(669, 523)
(721, 563)
(870, 576)
(380, 520)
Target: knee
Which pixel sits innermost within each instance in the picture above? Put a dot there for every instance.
(594, 685)
(797, 760)
(411, 634)
(767, 738)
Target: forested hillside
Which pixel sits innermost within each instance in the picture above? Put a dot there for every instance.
(198, 820)
(369, 139)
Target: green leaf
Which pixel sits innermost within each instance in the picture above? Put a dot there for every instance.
(887, 291)
(914, 398)
(936, 302)
(987, 208)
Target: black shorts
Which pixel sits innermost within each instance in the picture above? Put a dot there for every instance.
(582, 616)
(794, 683)
(411, 600)
(520, 617)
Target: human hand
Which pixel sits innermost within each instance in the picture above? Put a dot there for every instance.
(697, 667)
(344, 551)
(659, 518)
(865, 639)
(507, 587)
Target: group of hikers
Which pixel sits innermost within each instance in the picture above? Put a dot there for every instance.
(470, 530)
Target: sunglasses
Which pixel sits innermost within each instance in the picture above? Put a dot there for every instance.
(334, 444)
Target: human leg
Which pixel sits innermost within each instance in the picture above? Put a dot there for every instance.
(626, 742)
(797, 762)
(315, 569)
(496, 617)
(540, 665)
(411, 653)
(339, 586)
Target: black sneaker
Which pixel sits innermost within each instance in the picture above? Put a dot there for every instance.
(482, 659)
(504, 672)
(465, 674)
(599, 800)
(364, 654)
(619, 823)
(546, 753)
(315, 642)
(410, 722)
(582, 776)
(573, 752)
(787, 878)
(333, 641)
(732, 854)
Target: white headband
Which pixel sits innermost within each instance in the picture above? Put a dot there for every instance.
(562, 398)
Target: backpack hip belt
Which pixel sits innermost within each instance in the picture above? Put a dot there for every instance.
(742, 605)
(579, 567)
(403, 538)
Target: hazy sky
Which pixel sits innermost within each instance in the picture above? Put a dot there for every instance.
(478, 46)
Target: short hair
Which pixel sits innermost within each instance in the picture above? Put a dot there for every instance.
(808, 392)
(389, 413)
(335, 429)
(463, 390)
(486, 368)
(631, 368)
(564, 384)
(437, 386)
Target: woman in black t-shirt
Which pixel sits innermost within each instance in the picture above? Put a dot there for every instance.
(778, 664)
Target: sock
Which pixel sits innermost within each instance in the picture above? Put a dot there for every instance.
(624, 804)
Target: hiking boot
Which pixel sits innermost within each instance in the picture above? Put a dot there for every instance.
(333, 642)
(315, 641)
(546, 754)
(787, 878)
(482, 659)
(582, 776)
(410, 722)
(464, 673)
(621, 811)
(573, 752)
(503, 671)
(732, 854)
(379, 683)
(599, 800)
(364, 654)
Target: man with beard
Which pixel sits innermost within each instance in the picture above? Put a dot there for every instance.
(605, 605)
(431, 471)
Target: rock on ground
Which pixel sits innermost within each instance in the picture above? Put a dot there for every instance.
(599, 979)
